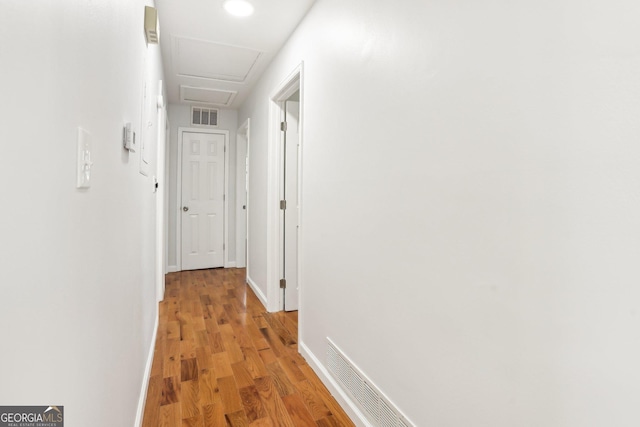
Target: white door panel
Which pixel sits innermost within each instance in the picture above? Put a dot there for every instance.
(202, 200)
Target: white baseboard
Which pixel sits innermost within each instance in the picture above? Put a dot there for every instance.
(257, 291)
(175, 269)
(147, 373)
(336, 391)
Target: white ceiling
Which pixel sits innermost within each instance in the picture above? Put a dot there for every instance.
(212, 58)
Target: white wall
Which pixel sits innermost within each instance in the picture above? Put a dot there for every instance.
(78, 297)
(471, 195)
(180, 116)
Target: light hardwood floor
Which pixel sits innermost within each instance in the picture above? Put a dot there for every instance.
(222, 360)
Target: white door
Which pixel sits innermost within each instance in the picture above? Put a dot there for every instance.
(202, 200)
(291, 148)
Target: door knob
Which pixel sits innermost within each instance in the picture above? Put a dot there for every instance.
(185, 208)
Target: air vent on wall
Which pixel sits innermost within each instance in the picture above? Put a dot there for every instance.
(204, 116)
(378, 409)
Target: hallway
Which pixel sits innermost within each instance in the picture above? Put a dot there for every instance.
(221, 360)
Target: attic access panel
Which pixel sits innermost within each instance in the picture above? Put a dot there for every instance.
(206, 96)
(214, 61)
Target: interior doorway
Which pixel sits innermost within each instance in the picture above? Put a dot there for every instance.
(202, 186)
(290, 217)
(285, 193)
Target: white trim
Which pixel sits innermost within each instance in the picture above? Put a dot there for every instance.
(165, 190)
(227, 149)
(178, 206)
(257, 291)
(172, 269)
(300, 201)
(284, 90)
(288, 86)
(160, 179)
(230, 264)
(248, 188)
(181, 132)
(334, 388)
(273, 211)
(244, 132)
(147, 372)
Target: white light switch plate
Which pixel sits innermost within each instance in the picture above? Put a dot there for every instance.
(83, 167)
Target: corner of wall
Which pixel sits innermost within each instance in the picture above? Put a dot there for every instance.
(257, 291)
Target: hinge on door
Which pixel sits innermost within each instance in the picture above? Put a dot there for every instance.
(224, 197)
(283, 126)
(283, 283)
(283, 204)
(224, 246)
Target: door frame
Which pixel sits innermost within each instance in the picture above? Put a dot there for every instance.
(178, 207)
(161, 192)
(242, 177)
(289, 85)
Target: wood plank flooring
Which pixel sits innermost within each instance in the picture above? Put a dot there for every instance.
(222, 360)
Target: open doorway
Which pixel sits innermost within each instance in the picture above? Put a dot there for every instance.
(285, 171)
(290, 208)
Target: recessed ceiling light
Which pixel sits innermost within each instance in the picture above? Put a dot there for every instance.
(240, 8)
